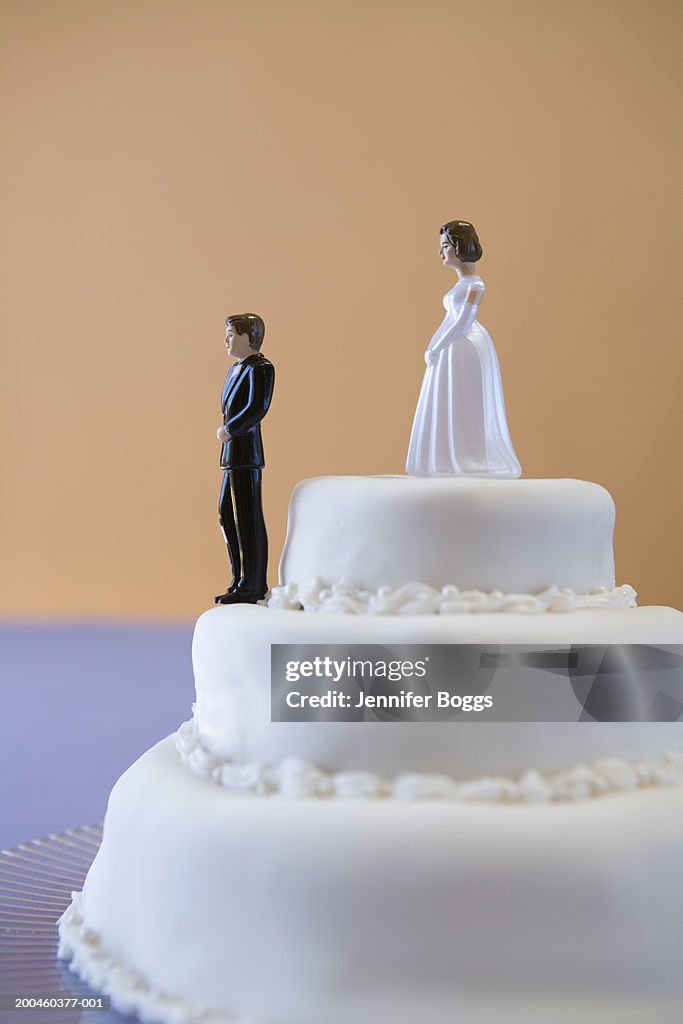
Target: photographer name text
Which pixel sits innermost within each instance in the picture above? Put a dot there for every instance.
(402, 699)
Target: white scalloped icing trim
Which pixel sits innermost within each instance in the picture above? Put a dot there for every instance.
(314, 595)
(128, 990)
(296, 778)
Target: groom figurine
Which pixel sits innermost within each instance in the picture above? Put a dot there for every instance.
(246, 397)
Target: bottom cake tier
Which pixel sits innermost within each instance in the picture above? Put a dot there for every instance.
(206, 905)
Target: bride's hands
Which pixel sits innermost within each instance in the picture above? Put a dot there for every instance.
(431, 357)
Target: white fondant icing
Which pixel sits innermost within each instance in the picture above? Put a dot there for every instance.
(297, 779)
(515, 536)
(130, 993)
(412, 890)
(203, 905)
(231, 656)
(314, 595)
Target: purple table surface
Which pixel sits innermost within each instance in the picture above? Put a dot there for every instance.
(79, 704)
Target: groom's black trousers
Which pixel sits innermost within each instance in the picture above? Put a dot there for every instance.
(240, 510)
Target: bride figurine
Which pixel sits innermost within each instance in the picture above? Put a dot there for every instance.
(460, 427)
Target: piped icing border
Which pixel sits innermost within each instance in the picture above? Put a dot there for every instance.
(130, 993)
(295, 778)
(315, 595)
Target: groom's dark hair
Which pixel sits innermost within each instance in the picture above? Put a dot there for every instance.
(248, 323)
(463, 238)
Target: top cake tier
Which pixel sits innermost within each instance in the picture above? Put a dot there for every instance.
(517, 536)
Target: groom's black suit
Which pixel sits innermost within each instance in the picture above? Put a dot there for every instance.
(247, 393)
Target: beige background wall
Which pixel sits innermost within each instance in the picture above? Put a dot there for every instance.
(169, 162)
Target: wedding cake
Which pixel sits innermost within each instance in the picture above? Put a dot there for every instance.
(390, 868)
(306, 873)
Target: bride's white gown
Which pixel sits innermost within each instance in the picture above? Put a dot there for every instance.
(460, 427)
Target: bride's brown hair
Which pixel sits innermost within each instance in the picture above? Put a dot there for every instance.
(463, 238)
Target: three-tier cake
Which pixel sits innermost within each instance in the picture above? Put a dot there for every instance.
(355, 872)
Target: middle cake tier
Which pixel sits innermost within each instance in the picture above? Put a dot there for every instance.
(232, 665)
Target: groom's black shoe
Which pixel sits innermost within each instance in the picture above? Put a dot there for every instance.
(242, 594)
(221, 598)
